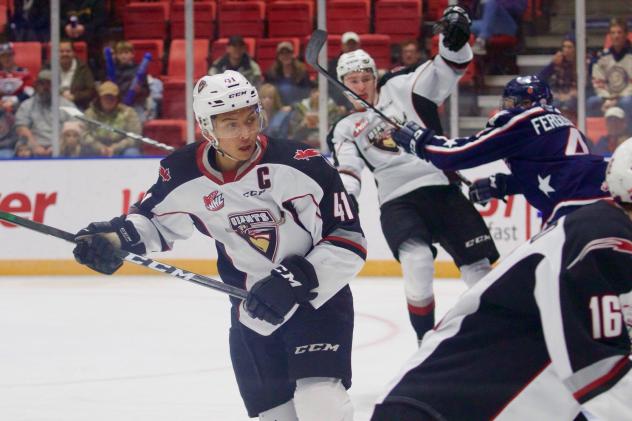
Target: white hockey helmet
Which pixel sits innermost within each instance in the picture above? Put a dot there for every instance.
(619, 173)
(222, 93)
(355, 61)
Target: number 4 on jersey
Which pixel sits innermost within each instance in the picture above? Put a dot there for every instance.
(342, 209)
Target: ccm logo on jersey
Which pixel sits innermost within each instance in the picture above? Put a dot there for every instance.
(214, 201)
(316, 348)
(477, 240)
(253, 193)
(306, 154)
(164, 174)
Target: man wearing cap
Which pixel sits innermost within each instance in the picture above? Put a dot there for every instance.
(617, 132)
(237, 58)
(108, 110)
(288, 74)
(33, 120)
(16, 82)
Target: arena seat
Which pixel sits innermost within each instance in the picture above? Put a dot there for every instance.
(153, 46)
(435, 9)
(266, 50)
(348, 15)
(290, 18)
(29, 55)
(205, 13)
(145, 20)
(401, 19)
(379, 47)
(595, 128)
(245, 18)
(170, 131)
(218, 48)
(177, 58)
(174, 99)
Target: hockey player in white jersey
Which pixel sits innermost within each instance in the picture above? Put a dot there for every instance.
(418, 204)
(285, 231)
(544, 335)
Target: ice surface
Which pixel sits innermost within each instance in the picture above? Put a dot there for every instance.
(156, 348)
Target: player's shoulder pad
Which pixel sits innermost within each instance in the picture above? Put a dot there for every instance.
(390, 75)
(180, 166)
(298, 155)
(599, 220)
(500, 118)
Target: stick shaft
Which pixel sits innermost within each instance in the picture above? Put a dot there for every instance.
(131, 257)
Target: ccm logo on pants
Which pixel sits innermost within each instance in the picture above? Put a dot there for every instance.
(477, 240)
(316, 347)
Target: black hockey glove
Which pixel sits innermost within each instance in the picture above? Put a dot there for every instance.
(455, 27)
(481, 191)
(412, 138)
(290, 283)
(96, 244)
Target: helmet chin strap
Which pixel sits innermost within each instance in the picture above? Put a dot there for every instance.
(215, 144)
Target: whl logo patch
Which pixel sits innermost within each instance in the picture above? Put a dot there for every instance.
(259, 228)
(214, 201)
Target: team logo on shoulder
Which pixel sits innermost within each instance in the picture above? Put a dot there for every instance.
(259, 228)
(359, 126)
(164, 174)
(306, 154)
(214, 201)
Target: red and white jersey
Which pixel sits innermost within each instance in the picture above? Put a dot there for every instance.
(285, 200)
(542, 336)
(364, 139)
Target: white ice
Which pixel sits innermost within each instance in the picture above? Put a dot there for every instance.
(156, 348)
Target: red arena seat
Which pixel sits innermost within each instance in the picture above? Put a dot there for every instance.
(290, 18)
(146, 20)
(174, 99)
(29, 55)
(245, 18)
(348, 15)
(401, 19)
(177, 58)
(204, 12)
(379, 47)
(153, 46)
(170, 132)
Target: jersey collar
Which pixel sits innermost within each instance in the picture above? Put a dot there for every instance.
(206, 153)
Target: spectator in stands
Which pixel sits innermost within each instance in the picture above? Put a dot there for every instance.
(612, 73)
(237, 58)
(30, 20)
(8, 138)
(16, 83)
(85, 20)
(410, 55)
(304, 120)
(617, 132)
(33, 119)
(77, 82)
(349, 41)
(288, 74)
(561, 75)
(134, 91)
(277, 115)
(72, 134)
(107, 109)
(499, 17)
(22, 149)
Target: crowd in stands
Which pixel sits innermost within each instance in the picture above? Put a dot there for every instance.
(113, 82)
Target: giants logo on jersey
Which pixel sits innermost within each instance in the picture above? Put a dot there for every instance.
(380, 137)
(214, 201)
(259, 228)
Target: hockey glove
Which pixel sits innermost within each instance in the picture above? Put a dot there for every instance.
(481, 191)
(455, 27)
(96, 244)
(412, 138)
(290, 283)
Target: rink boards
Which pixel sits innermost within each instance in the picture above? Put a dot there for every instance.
(69, 193)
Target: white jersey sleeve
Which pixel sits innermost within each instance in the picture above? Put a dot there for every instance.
(346, 158)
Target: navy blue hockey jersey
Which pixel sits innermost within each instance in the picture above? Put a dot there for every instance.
(549, 160)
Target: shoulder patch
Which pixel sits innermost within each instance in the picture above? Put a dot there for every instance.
(164, 173)
(306, 154)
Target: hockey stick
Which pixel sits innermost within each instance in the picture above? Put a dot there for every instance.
(131, 257)
(315, 44)
(73, 112)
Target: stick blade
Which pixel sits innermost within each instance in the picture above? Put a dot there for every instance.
(315, 44)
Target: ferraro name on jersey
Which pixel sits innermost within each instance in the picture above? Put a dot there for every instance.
(363, 139)
(286, 200)
(549, 160)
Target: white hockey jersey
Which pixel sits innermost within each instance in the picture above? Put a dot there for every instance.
(286, 200)
(364, 139)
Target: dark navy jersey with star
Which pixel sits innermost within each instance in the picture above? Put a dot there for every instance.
(548, 157)
(284, 200)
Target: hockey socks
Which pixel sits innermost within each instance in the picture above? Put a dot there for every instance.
(422, 318)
